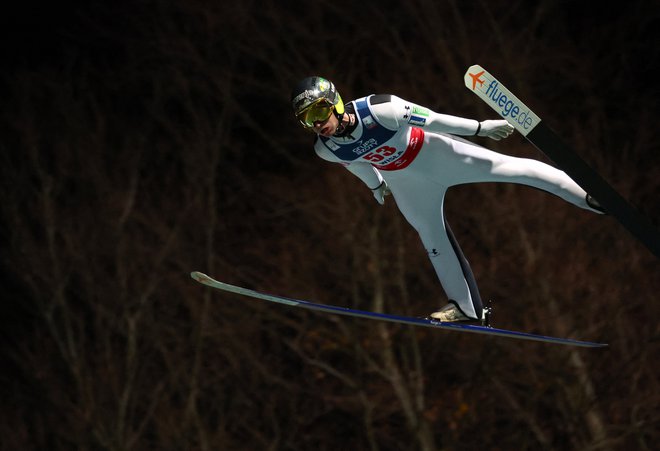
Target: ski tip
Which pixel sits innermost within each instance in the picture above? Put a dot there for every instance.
(200, 277)
(473, 68)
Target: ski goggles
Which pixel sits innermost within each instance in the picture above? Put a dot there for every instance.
(318, 111)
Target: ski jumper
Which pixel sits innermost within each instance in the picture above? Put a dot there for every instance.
(414, 150)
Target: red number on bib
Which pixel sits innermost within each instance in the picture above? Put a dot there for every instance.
(373, 157)
(386, 150)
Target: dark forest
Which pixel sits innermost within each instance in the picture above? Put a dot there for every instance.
(144, 140)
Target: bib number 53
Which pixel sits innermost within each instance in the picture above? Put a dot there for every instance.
(380, 154)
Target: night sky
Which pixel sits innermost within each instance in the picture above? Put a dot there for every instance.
(144, 140)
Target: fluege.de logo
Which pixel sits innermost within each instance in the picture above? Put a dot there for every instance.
(509, 108)
(483, 84)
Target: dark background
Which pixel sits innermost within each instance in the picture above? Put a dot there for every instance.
(143, 140)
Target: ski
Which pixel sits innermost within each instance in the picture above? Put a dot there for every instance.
(210, 282)
(507, 105)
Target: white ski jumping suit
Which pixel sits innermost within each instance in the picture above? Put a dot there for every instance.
(413, 149)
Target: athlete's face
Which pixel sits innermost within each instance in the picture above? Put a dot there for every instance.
(327, 127)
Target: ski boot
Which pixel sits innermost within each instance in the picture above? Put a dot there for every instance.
(450, 313)
(594, 204)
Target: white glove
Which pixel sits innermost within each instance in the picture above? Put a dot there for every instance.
(494, 129)
(380, 192)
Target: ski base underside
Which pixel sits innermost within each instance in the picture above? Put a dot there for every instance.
(426, 322)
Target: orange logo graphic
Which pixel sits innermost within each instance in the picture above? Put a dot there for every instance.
(476, 79)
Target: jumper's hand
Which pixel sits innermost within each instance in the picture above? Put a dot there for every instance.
(495, 129)
(380, 192)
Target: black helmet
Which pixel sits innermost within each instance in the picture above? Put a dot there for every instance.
(315, 98)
